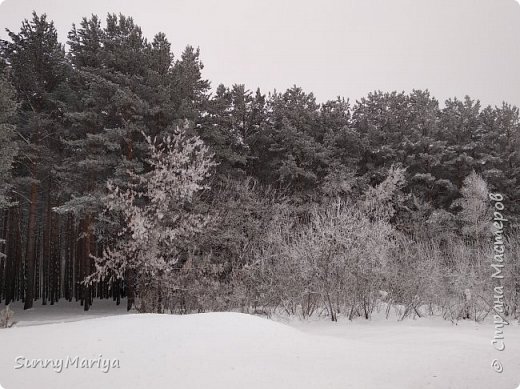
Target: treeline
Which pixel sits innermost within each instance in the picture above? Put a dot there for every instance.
(74, 117)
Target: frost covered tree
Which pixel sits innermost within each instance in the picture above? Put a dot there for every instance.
(159, 222)
(475, 214)
(381, 201)
(475, 217)
(337, 260)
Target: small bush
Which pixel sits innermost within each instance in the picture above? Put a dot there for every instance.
(6, 317)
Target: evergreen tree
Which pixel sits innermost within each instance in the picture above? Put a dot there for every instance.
(122, 85)
(8, 147)
(288, 148)
(460, 129)
(189, 91)
(38, 71)
(232, 118)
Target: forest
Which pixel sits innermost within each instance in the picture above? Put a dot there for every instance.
(126, 175)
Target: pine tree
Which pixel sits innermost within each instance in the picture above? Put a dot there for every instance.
(232, 117)
(189, 91)
(8, 150)
(287, 149)
(38, 70)
(122, 88)
(8, 147)
(460, 129)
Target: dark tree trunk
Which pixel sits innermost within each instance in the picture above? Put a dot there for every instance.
(85, 266)
(130, 289)
(55, 258)
(30, 255)
(46, 259)
(3, 260)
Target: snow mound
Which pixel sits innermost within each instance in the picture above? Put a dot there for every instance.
(231, 350)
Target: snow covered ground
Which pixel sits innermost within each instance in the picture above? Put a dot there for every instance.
(232, 350)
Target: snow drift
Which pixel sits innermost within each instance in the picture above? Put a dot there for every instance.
(231, 350)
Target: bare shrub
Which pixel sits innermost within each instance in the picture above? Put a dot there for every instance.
(6, 317)
(336, 261)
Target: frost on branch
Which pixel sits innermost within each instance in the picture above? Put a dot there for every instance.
(158, 226)
(6, 317)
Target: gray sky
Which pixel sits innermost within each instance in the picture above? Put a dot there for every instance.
(330, 47)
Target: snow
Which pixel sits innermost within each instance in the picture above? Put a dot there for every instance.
(64, 312)
(233, 350)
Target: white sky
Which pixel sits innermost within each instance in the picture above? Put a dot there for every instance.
(330, 47)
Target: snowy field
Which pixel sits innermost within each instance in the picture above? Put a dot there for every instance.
(232, 350)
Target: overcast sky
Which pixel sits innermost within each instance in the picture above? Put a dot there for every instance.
(329, 47)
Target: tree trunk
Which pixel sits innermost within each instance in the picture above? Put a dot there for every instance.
(130, 289)
(31, 245)
(46, 260)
